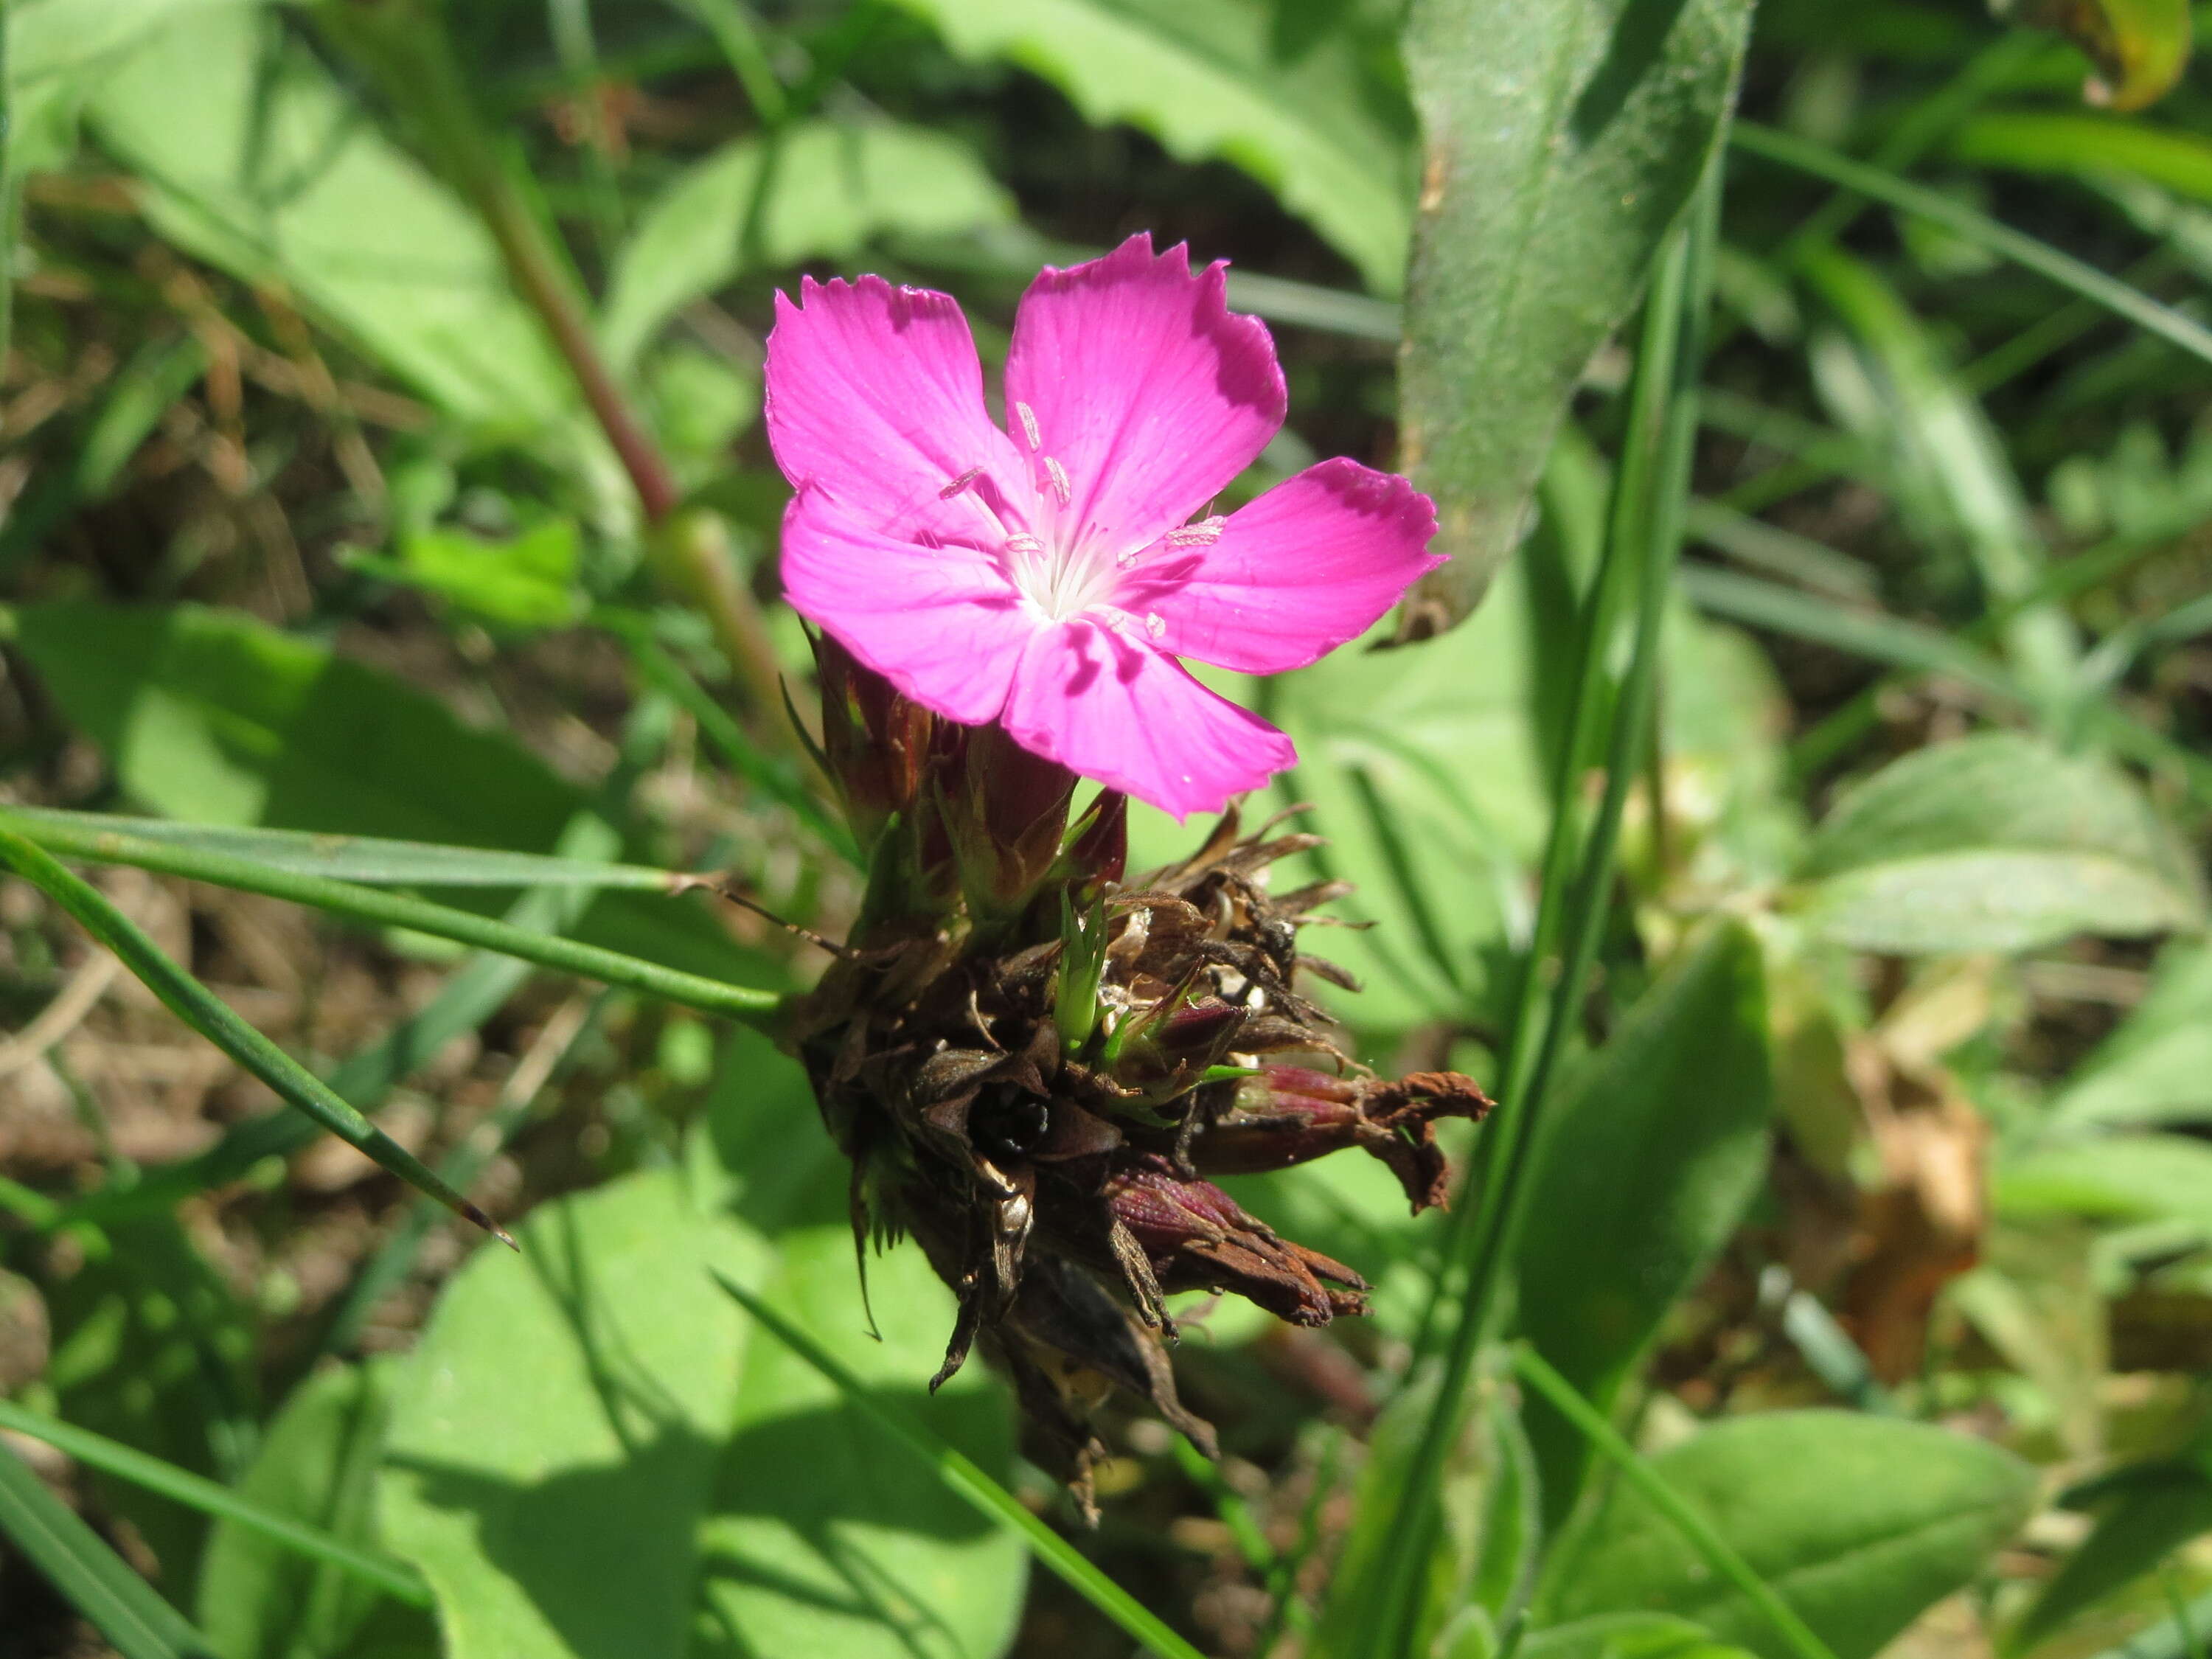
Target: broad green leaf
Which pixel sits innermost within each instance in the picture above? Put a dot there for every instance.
(1996, 842)
(561, 1416)
(601, 1400)
(259, 1599)
(1294, 95)
(1859, 1522)
(255, 159)
(2157, 1067)
(527, 580)
(151, 1348)
(818, 189)
(57, 49)
(1630, 1636)
(2127, 1177)
(1642, 1168)
(2140, 47)
(827, 1535)
(215, 718)
(1560, 141)
(1421, 765)
(2151, 1511)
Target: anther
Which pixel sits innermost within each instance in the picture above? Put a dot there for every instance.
(1028, 418)
(1204, 533)
(960, 484)
(1023, 542)
(1059, 485)
(1156, 624)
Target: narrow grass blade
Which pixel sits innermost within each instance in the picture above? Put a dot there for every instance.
(92, 1576)
(1863, 633)
(388, 909)
(473, 993)
(389, 1266)
(1696, 1530)
(393, 1577)
(1956, 216)
(988, 1498)
(216, 1020)
(368, 860)
(1610, 722)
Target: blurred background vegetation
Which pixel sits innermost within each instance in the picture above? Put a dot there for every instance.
(1891, 1088)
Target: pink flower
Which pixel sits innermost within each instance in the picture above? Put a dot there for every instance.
(1047, 576)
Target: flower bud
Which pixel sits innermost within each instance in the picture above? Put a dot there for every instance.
(1191, 1235)
(1289, 1115)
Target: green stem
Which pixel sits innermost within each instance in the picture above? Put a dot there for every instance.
(1697, 1531)
(390, 910)
(393, 1577)
(1644, 536)
(987, 1496)
(406, 45)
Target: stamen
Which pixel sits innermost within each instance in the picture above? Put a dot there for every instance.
(1204, 533)
(1059, 485)
(960, 484)
(1028, 417)
(1156, 624)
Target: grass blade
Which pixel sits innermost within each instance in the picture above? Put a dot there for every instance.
(1611, 721)
(92, 1576)
(214, 1019)
(387, 909)
(393, 1577)
(369, 859)
(1979, 228)
(1698, 1532)
(989, 1498)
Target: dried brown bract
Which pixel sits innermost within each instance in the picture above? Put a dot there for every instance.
(1034, 1063)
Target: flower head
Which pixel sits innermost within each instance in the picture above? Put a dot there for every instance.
(1046, 576)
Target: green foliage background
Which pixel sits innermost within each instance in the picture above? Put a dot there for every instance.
(1793, 799)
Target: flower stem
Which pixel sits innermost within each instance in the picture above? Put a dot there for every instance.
(404, 45)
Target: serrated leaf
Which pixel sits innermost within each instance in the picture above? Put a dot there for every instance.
(816, 190)
(1291, 94)
(1859, 1522)
(1995, 843)
(1560, 141)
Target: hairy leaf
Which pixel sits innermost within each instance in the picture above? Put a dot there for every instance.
(1560, 141)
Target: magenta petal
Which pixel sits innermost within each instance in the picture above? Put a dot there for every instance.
(942, 624)
(1314, 562)
(874, 395)
(1101, 704)
(1141, 385)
